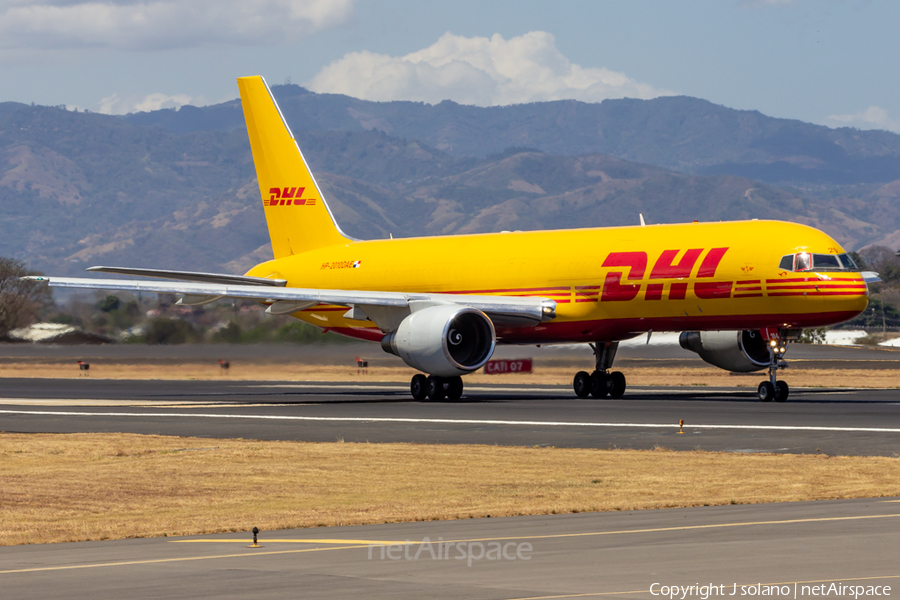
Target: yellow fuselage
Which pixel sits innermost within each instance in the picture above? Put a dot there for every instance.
(609, 283)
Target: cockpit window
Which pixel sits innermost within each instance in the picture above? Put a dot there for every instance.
(823, 262)
(848, 262)
(804, 261)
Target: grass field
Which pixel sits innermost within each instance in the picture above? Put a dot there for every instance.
(59, 488)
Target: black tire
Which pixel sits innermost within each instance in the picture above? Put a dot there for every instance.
(417, 387)
(617, 384)
(782, 391)
(434, 388)
(582, 384)
(766, 391)
(599, 385)
(454, 388)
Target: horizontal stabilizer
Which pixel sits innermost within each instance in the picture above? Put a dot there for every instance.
(870, 277)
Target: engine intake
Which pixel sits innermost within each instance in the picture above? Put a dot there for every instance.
(443, 340)
(739, 351)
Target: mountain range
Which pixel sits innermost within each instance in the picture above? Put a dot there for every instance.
(679, 133)
(177, 188)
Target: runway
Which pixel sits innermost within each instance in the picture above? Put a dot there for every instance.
(815, 420)
(631, 554)
(623, 554)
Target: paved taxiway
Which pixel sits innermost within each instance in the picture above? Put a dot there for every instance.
(836, 421)
(854, 542)
(577, 356)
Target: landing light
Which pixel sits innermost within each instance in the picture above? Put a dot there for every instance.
(773, 343)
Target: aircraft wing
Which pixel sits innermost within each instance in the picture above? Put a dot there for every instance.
(509, 310)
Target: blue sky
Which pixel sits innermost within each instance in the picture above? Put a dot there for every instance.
(833, 62)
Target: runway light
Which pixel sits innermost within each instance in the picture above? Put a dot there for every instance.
(255, 532)
(681, 425)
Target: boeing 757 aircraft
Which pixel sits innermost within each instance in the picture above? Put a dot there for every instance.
(739, 291)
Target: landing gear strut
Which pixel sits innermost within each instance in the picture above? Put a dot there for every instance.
(436, 388)
(601, 383)
(774, 389)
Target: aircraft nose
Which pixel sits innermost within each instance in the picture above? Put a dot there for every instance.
(850, 295)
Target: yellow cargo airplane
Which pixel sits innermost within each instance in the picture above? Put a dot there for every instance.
(739, 291)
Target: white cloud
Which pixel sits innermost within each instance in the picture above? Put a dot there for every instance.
(477, 70)
(873, 117)
(163, 24)
(119, 105)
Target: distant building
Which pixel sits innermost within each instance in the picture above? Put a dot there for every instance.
(54, 333)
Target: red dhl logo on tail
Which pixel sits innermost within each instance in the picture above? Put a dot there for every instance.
(289, 196)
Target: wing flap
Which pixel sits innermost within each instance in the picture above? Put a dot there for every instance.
(192, 276)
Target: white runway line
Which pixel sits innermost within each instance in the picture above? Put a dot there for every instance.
(444, 421)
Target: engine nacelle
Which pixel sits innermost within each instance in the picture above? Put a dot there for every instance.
(443, 340)
(740, 351)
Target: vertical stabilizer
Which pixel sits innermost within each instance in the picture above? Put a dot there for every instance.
(296, 213)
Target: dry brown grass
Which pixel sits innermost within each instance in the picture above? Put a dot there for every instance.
(543, 375)
(99, 486)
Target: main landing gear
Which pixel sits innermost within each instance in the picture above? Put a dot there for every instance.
(774, 389)
(436, 388)
(601, 383)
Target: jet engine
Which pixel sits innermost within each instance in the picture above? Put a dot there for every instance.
(443, 340)
(741, 351)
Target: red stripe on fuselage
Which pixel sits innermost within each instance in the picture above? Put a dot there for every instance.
(509, 290)
(802, 279)
(814, 293)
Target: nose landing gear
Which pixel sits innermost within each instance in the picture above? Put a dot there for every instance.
(774, 389)
(601, 383)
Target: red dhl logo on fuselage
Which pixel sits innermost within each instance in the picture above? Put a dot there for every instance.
(289, 196)
(614, 290)
(628, 278)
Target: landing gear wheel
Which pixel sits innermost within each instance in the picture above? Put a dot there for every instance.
(766, 391)
(599, 384)
(454, 388)
(782, 391)
(582, 384)
(434, 388)
(417, 387)
(617, 384)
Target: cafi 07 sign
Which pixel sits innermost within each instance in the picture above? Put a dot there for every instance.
(519, 365)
